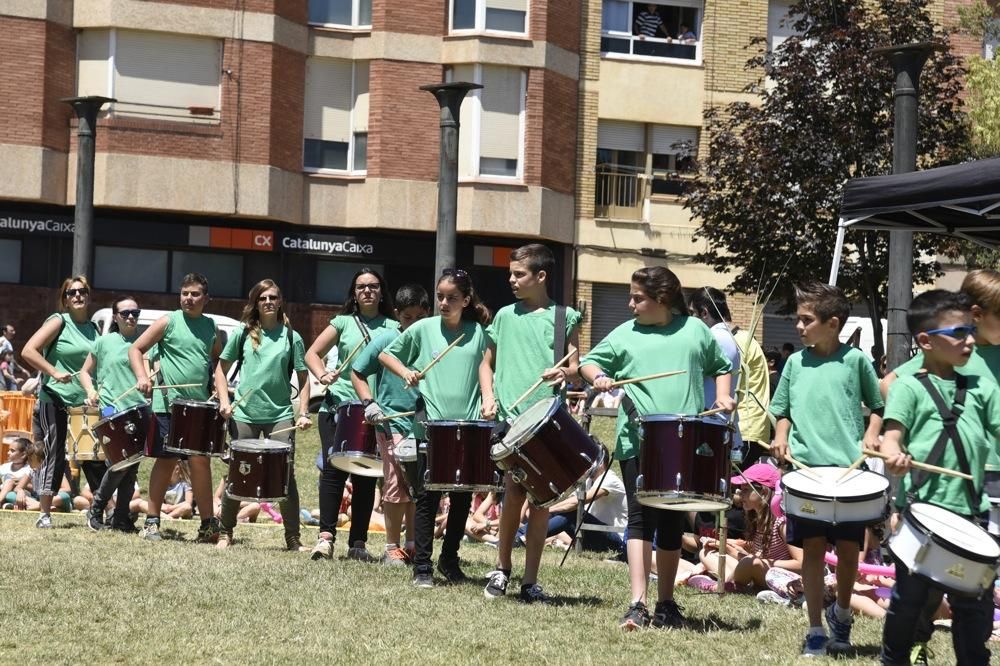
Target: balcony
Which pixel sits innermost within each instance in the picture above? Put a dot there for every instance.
(619, 195)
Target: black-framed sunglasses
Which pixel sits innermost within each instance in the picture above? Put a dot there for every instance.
(80, 291)
(267, 298)
(455, 272)
(125, 314)
(956, 332)
(372, 286)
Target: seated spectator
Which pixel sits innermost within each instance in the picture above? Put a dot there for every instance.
(484, 519)
(24, 495)
(15, 475)
(685, 36)
(248, 510)
(178, 502)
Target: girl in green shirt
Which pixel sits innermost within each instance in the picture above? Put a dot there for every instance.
(58, 349)
(367, 311)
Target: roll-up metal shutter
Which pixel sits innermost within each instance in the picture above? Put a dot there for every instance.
(608, 309)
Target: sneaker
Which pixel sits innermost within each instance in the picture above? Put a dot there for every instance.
(7, 506)
(451, 571)
(423, 579)
(840, 632)
(533, 594)
(497, 585)
(151, 530)
(920, 654)
(44, 522)
(225, 540)
(636, 617)
(360, 553)
(95, 521)
(667, 615)
(323, 550)
(209, 531)
(815, 645)
(293, 542)
(395, 557)
(128, 527)
(772, 597)
(703, 583)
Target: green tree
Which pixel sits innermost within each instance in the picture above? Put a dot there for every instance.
(770, 186)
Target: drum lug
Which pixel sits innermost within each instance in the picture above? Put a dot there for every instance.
(496, 478)
(921, 553)
(427, 476)
(680, 429)
(458, 477)
(723, 487)
(679, 479)
(586, 457)
(552, 487)
(518, 475)
(556, 424)
(258, 491)
(638, 482)
(458, 434)
(130, 428)
(260, 460)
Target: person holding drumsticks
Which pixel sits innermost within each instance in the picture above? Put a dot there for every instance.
(660, 338)
(267, 351)
(392, 394)
(58, 350)
(941, 323)
(521, 341)
(820, 423)
(109, 364)
(450, 391)
(367, 311)
(187, 343)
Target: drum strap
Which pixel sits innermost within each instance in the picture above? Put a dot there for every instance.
(364, 329)
(243, 340)
(559, 341)
(949, 416)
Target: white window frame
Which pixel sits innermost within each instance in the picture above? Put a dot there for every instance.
(475, 97)
(480, 28)
(349, 171)
(615, 34)
(355, 18)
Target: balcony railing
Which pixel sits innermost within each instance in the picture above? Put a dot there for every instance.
(613, 42)
(619, 196)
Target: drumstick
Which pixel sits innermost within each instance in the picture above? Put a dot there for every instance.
(713, 412)
(441, 355)
(174, 386)
(242, 398)
(278, 432)
(540, 380)
(636, 380)
(115, 401)
(803, 467)
(350, 356)
(922, 465)
(399, 415)
(854, 465)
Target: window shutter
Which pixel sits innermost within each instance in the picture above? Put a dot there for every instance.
(328, 100)
(666, 138)
(94, 50)
(501, 98)
(361, 96)
(511, 5)
(621, 135)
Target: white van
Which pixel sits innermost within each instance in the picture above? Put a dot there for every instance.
(228, 326)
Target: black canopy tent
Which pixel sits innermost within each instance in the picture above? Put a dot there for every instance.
(961, 200)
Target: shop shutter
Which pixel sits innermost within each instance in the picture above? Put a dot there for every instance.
(608, 309)
(501, 120)
(666, 139)
(621, 135)
(328, 100)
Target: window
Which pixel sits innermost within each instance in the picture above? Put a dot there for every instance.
(336, 116)
(672, 31)
(489, 16)
(130, 269)
(151, 74)
(341, 13)
(778, 25)
(333, 278)
(991, 39)
(10, 260)
(492, 137)
(224, 272)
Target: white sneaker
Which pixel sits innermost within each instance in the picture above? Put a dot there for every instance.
(497, 585)
(323, 550)
(772, 597)
(44, 522)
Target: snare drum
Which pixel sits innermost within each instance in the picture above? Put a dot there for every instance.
(259, 470)
(548, 452)
(815, 495)
(355, 448)
(412, 458)
(684, 463)
(196, 429)
(124, 436)
(458, 457)
(945, 550)
(81, 444)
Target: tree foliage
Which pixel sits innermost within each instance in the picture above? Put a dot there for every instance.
(770, 187)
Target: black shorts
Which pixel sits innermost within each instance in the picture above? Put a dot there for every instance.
(659, 526)
(797, 530)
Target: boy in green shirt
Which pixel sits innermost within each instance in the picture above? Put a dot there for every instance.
(820, 423)
(521, 349)
(941, 324)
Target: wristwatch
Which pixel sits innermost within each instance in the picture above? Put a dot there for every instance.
(366, 402)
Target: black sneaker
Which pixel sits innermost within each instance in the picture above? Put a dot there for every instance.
(533, 594)
(423, 578)
(636, 617)
(128, 527)
(451, 571)
(95, 521)
(209, 531)
(667, 615)
(497, 585)
(920, 654)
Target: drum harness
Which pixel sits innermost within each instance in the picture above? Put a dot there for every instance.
(243, 340)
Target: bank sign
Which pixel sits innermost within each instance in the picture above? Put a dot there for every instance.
(327, 245)
(35, 224)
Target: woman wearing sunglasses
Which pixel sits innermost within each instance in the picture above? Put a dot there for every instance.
(109, 364)
(58, 350)
(267, 351)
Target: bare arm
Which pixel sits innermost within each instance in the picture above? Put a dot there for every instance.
(320, 347)
(489, 406)
(396, 367)
(42, 338)
(87, 382)
(886, 382)
(222, 387)
(590, 374)
(304, 396)
(723, 396)
(140, 347)
(360, 384)
(779, 447)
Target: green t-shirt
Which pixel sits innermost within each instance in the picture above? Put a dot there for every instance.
(114, 372)
(635, 350)
(390, 390)
(185, 355)
(67, 353)
(979, 425)
(265, 369)
(349, 335)
(451, 388)
(822, 395)
(523, 342)
(984, 362)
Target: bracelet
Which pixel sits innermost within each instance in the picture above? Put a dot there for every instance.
(600, 376)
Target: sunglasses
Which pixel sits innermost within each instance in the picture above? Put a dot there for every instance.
(373, 286)
(956, 332)
(82, 291)
(267, 298)
(125, 314)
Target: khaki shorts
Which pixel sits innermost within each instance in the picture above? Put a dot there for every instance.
(394, 487)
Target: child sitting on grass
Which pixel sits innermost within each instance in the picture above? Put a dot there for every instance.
(23, 495)
(178, 501)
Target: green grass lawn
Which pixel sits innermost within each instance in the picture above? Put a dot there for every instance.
(72, 595)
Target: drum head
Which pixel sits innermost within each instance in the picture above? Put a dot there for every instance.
(360, 465)
(118, 415)
(525, 425)
(656, 418)
(187, 402)
(406, 450)
(821, 483)
(259, 446)
(478, 423)
(944, 524)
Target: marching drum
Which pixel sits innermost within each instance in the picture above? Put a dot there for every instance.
(548, 452)
(945, 550)
(413, 459)
(684, 463)
(458, 457)
(258, 470)
(80, 441)
(355, 448)
(196, 429)
(124, 436)
(817, 495)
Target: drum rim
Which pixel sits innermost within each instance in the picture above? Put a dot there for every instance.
(713, 499)
(804, 494)
(459, 488)
(188, 402)
(475, 423)
(108, 419)
(557, 403)
(944, 543)
(274, 443)
(192, 452)
(668, 418)
(133, 459)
